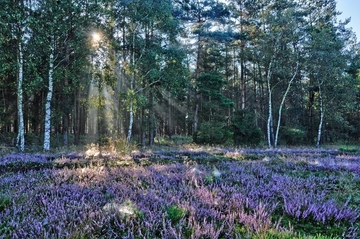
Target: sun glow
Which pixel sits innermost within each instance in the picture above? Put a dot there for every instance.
(96, 37)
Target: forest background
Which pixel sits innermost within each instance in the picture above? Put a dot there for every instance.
(234, 72)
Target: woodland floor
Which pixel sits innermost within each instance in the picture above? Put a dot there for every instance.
(198, 192)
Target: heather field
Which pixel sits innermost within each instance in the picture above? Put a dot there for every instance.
(202, 193)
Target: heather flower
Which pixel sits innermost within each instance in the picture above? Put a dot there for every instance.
(124, 202)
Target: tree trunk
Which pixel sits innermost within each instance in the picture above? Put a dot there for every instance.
(20, 140)
(143, 128)
(65, 129)
(132, 82)
(151, 119)
(66, 99)
(197, 94)
(270, 116)
(169, 117)
(131, 121)
(321, 117)
(282, 104)
(77, 115)
(47, 129)
(242, 83)
(255, 96)
(311, 134)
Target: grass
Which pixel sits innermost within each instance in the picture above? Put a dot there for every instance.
(174, 194)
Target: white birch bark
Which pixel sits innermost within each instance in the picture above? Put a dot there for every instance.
(131, 121)
(269, 120)
(321, 116)
(20, 140)
(131, 108)
(47, 131)
(282, 104)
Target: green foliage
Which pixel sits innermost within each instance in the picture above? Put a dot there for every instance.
(5, 202)
(212, 133)
(245, 132)
(175, 213)
(293, 136)
(174, 140)
(289, 235)
(348, 183)
(210, 85)
(122, 147)
(349, 148)
(181, 139)
(316, 229)
(209, 179)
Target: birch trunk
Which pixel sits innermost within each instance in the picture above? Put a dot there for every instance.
(282, 104)
(47, 130)
(321, 117)
(131, 121)
(131, 109)
(242, 83)
(269, 120)
(20, 140)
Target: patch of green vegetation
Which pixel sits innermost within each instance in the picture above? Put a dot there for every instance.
(349, 148)
(5, 201)
(174, 140)
(314, 229)
(209, 179)
(319, 236)
(252, 157)
(305, 173)
(293, 136)
(175, 213)
(5, 230)
(288, 235)
(240, 231)
(273, 234)
(24, 166)
(346, 189)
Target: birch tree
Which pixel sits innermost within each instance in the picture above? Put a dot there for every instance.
(20, 140)
(15, 18)
(21, 31)
(282, 40)
(295, 72)
(51, 16)
(132, 82)
(47, 130)
(49, 19)
(326, 62)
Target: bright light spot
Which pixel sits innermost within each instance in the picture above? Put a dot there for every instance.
(216, 173)
(126, 208)
(96, 37)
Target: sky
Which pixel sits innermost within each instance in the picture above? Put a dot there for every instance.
(350, 8)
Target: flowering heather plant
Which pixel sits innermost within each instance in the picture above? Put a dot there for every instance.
(287, 195)
(23, 158)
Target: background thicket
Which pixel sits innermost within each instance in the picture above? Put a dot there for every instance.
(99, 70)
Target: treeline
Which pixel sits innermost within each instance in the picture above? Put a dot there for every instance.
(281, 71)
